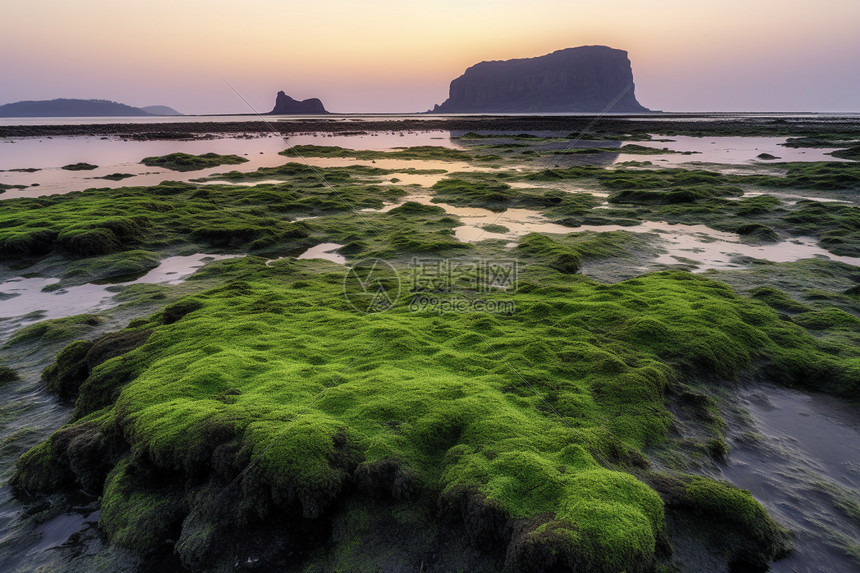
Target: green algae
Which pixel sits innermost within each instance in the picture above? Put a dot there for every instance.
(117, 176)
(852, 153)
(278, 369)
(79, 167)
(424, 152)
(115, 266)
(55, 329)
(4, 187)
(494, 228)
(7, 374)
(410, 228)
(498, 196)
(188, 162)
(106, 221)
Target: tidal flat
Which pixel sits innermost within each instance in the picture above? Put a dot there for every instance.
(257, 353)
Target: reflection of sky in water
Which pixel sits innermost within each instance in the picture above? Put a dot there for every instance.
(116, 155)
(24, 296)
(695, 244)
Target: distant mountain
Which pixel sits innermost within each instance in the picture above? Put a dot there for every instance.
(68, 108)
(160, 110)
(588, 79)
(285, 105)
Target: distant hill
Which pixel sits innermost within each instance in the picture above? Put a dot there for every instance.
(69, 108)
(285, 105)
(160, 110)
(588, 79)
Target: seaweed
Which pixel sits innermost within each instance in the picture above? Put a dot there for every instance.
(241, 414)
(79, 167)
(188, 162)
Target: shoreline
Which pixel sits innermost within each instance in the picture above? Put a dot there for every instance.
(613, 124)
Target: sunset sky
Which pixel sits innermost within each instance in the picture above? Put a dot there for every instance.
(387, 56)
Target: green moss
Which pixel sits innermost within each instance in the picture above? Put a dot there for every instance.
(187, 162)
(313, 392)
(134, 517)
(65, 376)
(724, 502)
(137, 218)
(79, 167)
(129, 264)
(777, 299)
(493, 228)
(7, 374)
(852, 153)
(551, 253)
(826, 318)
(499, 196)
(117, 176)
(757, 232)
(56, 329)
(757, 205)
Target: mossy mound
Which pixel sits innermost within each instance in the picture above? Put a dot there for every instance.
(852, 153)
(188, 162)
(269, 400)
(56, 329)
(556, 256)
(777, 299)
(7, 374)
(116, 266)
(727, 518)
(138, 218)
(79, 167)
(498, 196)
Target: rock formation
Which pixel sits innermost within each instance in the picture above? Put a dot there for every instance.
(160, 110)
(575, 80)
(69, 108)
(285, 105)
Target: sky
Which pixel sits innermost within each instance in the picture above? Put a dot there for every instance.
(219, 56)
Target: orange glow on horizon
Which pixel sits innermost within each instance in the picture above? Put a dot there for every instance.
(398, 56)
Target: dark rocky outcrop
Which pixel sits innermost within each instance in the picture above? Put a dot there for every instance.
(576, 80)
(285, 105)
(69, 108)
(160, 110)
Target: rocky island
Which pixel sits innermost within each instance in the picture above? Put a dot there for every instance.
(64, 107)
(587, 79)
(285, 105)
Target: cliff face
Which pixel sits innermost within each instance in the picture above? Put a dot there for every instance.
(285, 105)
(585, 80)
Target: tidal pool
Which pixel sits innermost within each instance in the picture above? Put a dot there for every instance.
(25, 300)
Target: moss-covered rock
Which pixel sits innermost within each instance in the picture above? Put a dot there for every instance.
(241, 414)
(188, 162)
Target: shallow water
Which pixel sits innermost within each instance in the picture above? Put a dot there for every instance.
(23, 300)
(805, 469)
(326, 251)
(117, 155)
(727, 150)
(697, 246)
